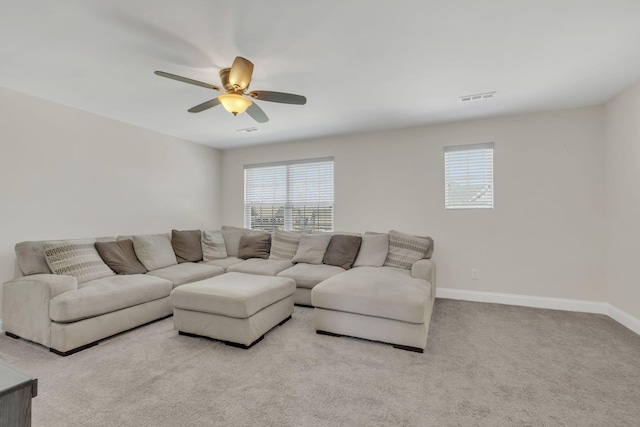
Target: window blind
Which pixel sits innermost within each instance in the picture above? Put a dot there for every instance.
(295, 195)
(468, 171)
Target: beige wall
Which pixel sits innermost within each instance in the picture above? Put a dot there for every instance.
(622, 167)
(545, 236)
(65, 173)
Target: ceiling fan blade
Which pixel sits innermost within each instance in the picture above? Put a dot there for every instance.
(240, 73)
(257, 114)
(205, 105)
(186, 80)
(283, 98)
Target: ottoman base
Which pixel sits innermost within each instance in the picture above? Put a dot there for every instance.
(233, 331)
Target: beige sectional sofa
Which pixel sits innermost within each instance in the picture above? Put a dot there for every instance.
(66, 314)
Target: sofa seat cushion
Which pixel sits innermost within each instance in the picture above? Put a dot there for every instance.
(107, 295)
(225, 262)
(233, 294)
(187, 272)
(262, 267)
(309, 275)
(386, 292)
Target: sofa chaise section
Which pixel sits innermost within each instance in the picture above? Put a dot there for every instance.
(306, 277)
(187, 272)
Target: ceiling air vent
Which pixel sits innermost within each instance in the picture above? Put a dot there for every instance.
(478, 96)
(247, 130)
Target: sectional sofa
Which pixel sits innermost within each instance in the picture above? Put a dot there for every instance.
(68, 295)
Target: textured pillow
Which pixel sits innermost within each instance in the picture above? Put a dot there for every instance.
(284, 244)
(120, 257)
(232, 237)
(312, 248)
(405, 249)
(213, 246)
(257, 246)
(373, 251)
(77, 258)
(154, 251)
(187, 245)
(342, 250)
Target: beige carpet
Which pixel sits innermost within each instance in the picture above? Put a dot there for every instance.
(485, 364)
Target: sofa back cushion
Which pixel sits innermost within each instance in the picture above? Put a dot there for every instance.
(257, 246)
(312, 248)
(154, 251)
(187, 245)
(232, 237)
(342, 250)
(405, 249)
(77, 258)
(284, 244)
(373, 251)
(213, 246)
(31, 259)
(120, 257)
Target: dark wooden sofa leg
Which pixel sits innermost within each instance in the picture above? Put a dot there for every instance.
(330, 334)
(72, 351)
(407, 348)
(9, 334)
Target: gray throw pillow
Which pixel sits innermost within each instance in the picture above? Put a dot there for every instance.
(187, 245)
(31, 258)
(405, 249)
(342, 250)
(232, 237)
(257, 246)
(373, 251)
(213, 246)
(120, 257)
(284, 244)
(312, 248)
(77, 258)
(154, 251)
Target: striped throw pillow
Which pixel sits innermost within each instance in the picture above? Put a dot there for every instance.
(405, 250)
(77, 258)
(213, 246)
(284, 245)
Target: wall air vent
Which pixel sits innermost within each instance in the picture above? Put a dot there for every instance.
(478, 96)
(247, 130)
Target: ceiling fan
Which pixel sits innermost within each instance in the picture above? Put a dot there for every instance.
(235, 99)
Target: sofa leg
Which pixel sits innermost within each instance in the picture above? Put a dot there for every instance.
(75, 350)
(331, 334)
(9, 334)
(284, 321)
(407, 348)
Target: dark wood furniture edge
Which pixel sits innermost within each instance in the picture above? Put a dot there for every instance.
(398, 346)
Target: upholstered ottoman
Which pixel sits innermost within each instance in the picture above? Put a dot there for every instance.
(235, 308)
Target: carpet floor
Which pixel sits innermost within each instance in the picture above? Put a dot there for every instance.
(485, 365)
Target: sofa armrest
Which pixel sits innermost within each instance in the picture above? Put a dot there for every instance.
(25, 304)
(425, 269)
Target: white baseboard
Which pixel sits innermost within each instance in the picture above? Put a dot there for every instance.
(582, 306)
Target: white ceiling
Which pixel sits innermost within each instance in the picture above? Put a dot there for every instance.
(363, 65)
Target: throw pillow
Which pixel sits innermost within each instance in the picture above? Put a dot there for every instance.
(31, 258)
(213, 246)
(154, 251)
(120, 257)
(77, 258)
(342, 250)
(257, 246)
(284, 244)
(405, 250)
(373, 251)
(312, 248)
(232, 237)
(187, 245)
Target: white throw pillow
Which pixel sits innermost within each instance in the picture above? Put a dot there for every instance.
(154, 250)
(284, 244)
(77, 258)
(213, 246)
(373, 250)
(312, 248)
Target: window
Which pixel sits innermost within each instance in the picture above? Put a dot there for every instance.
(468, 176)
(295, 195)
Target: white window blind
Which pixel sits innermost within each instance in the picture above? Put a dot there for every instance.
(295, 195)
(468, 176)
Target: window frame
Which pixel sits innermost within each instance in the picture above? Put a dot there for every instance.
(485, 172)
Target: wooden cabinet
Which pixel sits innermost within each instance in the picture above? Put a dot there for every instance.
(16, 391)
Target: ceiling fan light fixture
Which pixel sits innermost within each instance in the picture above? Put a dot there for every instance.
(234, 103)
